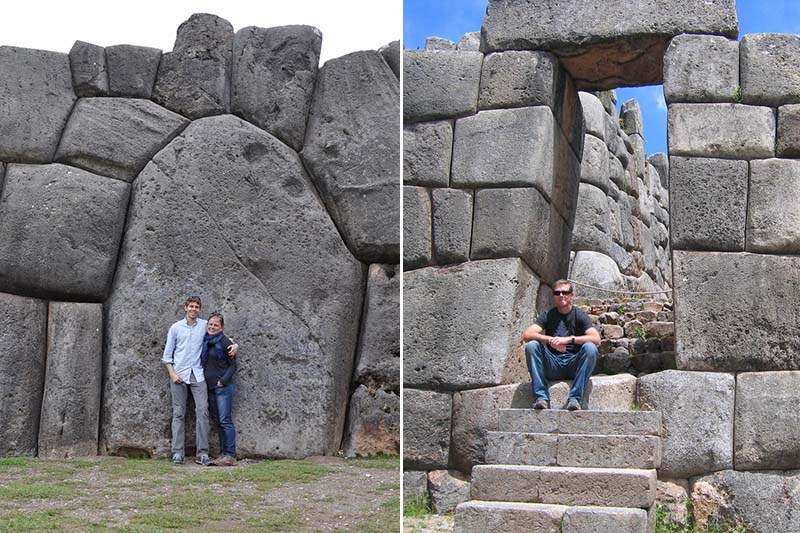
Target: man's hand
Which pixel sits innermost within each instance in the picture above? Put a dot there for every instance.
(232, 349)
(176, 379)
(559, 343)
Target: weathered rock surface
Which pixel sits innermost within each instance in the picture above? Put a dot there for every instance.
(671, 496)
(194, 79)
(697, 413)
(440, 84)
(519, 78)
(274, 70)
(462, 324)
(116, 137)
(452, 225)
(61, 230)
(469, 42)
(72, 385)
(352, 149)
(773, 222)
(33, 81)
(769, 68)
(788, 143)
(710, 317)
(595, 163)
(448, 488)
(426, 429)
(391, 54)
(378, 356)
(132, 70)
(701, 68)
(417, 232)
(373, 423)
(597, 270)
(427, 150)
(709, 203)
(89, 73)
(275, 266)
(415, 484)
(439, 43)
(660, 162)
(22, 371)
(721, 130)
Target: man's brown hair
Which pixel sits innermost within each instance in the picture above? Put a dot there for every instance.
(195, 299)
(563, 282)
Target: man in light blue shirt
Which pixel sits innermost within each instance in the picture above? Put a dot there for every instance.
(182, 359)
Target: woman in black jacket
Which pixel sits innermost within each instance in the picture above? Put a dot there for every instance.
(219, 370)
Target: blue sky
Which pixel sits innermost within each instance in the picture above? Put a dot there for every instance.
(453, 18)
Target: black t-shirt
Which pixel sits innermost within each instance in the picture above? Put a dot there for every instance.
(573, 324)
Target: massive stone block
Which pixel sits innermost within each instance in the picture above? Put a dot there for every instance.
(378, 356)
(194, 79)
(597, 270)
(721, 329)
(264, 252)
(440, 84)
(116, 137)
(701, 68)
(709, 203)
(352, 149)
(391, 54)
(620, 45)
(417, 233)
(426, 429)
(71, 399)
(35, 101)
(594, 227)
(721, 130)
(519, 78)
(23, 323)
(373, 423)
(788, 143)
(769, 65)
(427, 150)
(595, 163)
(274, 70)
(463, 324)
(132, 70)
(594, 115)
(697, 414)
(767, 421)
(89, 73)
(773, 222)
(452, 225)
(61, 229)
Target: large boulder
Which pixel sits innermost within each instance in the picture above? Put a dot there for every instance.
(769, 68)
(426, 429)
(463, 324)
(36, 98)
(89, 73)
(417, 232)
(116, 137)
(132, 70)
(440, 84)
(391, 54)
(595, 272)
(352, 150)
(373, 425)
(71, 400)
(274, 70)
(194, 79)
(227, 211)
(22, 371)
(773, 221)
(716, 81)
(61, 230)
(452, 224)
(427, 150)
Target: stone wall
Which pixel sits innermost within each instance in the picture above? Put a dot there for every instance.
(232, 167)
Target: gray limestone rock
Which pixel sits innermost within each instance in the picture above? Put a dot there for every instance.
(194, 79)
(415, 485)
(597, 270)
(36, 98)
(519, 78)
(273, 74)
(672, 496)
(697, 414)
(417, 232)
(661, 164)
(24, 326)
(593, 226)
(470, 42)
(788, 143)
(709, 203)
(391, 54)
(352, 150)
(595, 165)
(116, 137)
(132, 70)
(439, 43)
(721, 130)
(426, 429)
(773, 222)
(703, 296)
(463, 323)
(373, 425)
(767, 421)
(440, 84)
(275, 266)
(619, 520)
(608, 98)
(71, 401)
(631, 118)
(452, 225)
(61, 231)
(701, 68)
(593, 115)
(769, 68)
(448, 488)
(89, 73)
(427, 151)
(378, 356)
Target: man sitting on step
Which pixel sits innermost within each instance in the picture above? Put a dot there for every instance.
(562, 344)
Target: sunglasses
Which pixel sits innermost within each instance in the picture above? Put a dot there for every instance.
(561, 293)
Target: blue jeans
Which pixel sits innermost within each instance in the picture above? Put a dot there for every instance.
(544, 364)
(220, 402)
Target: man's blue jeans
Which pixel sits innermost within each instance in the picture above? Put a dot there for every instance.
(220, 401)
(544, 364)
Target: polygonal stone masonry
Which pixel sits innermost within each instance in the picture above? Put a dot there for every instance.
(426, 429)
(773, 221)
(440, 84)
(89, 73)
(452, 211)
(427, 151)
(701, 68)
(769, 69)
(132, 70)
(417, 232)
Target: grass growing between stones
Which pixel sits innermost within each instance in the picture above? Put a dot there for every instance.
(110, 493)
(714, 525)
(417, 507)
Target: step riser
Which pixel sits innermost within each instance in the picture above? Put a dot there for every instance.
(607, 451)
(580, 422)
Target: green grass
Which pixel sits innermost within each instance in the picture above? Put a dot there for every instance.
(278, 520)
(266, 474)
(417, 507)
(27, 521)
(44, 491)
(385, 462)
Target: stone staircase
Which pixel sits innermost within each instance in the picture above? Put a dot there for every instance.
(566, 472)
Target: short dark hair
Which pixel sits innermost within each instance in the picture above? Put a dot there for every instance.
(217, 314)
(195, 299)
(563, 282)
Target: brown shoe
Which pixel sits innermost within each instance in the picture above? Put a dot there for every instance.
(226, 460)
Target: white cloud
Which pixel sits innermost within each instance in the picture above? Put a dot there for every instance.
(657, 93)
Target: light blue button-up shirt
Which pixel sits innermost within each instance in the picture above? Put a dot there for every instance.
(184, 343)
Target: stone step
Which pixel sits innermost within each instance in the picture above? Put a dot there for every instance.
(580, 422)
(512, 517)
(614, 487)
(549, 449)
